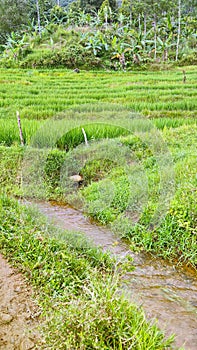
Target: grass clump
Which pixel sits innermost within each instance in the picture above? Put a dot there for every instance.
(9, 133)
(76, 287)
(106, 199)
(10, 163)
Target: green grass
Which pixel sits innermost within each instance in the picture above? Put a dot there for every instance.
(9, 132)
(75, 285)
(38, 134)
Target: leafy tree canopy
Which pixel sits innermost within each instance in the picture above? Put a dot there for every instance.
(14, 15)
(94, 5)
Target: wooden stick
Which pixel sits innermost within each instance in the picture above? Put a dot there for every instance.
(85, 137)
(20, 128)
(184, 77)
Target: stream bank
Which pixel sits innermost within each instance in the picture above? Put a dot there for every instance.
(167, 292)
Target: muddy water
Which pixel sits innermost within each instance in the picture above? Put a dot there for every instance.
(166, 292)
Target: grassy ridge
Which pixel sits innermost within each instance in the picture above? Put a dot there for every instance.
(75, 286)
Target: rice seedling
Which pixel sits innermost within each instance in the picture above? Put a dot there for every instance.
(9, 133)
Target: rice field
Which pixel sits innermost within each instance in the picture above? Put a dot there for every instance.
(40, 94)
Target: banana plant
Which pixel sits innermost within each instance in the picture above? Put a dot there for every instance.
(16, 45)
(105, 12)
(163, 47)
(84, 18)
(92, 42)
(119, 49)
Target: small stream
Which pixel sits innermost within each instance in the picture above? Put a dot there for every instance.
(167, 293)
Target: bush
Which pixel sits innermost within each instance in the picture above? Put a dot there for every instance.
(188, 60)
(72, 56)
(54, 162)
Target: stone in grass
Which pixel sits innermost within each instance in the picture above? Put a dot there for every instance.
(77, 180)
(76, 70)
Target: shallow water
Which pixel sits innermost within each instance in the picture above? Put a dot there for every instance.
(167, 292)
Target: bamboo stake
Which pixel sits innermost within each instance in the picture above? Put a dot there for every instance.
(20, 128)
(85, 137)
(184, 77)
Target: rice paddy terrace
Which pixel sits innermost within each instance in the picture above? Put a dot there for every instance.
(164, 99)
(43, 94)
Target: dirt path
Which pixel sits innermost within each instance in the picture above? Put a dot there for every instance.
(18, 311)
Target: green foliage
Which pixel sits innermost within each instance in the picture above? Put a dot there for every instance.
(105, 12)
(169, 103)
(58, 15)
(10, 163)
(53, 164)
(14, 14)
(92, 5)
(126, 8)
(71, 57)
(96, 169)
(40, 94)
(131, 27)
(189, 59)
(9, 133)
(107, 198)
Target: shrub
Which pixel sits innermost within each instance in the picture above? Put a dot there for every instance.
(71, 56)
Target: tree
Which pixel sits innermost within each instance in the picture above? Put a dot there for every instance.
(179, 29)
(14, 15)
(94, 5)
(40, 11)
(38, 15)
(126, 9)
(105, 12)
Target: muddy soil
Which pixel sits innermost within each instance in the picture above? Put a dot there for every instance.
(19, 314)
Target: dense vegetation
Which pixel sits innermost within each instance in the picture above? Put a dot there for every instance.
(92, 34)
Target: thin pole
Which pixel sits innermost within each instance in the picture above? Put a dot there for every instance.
(179, 30)
(85, 136)
(38, 16)
(20, 128)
